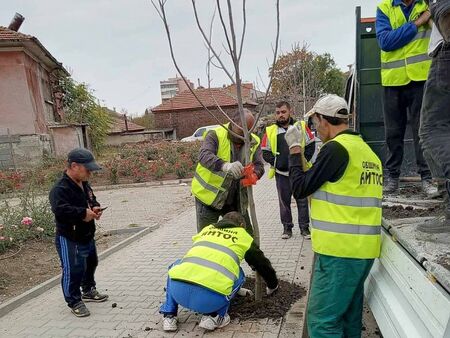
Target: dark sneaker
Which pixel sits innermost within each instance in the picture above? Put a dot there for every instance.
(305, 233)
(287, 233)
(94, 296)
(391, 186)
(80, 310)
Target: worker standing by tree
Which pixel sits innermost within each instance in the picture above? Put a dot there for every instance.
(276, 152)
(403, 34)
(345, 185)
(216, 184)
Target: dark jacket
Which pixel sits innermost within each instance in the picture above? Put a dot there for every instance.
(282, 163)
(69, 203)
(237, 198)
(255, 258)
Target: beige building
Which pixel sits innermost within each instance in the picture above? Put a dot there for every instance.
(173, 86)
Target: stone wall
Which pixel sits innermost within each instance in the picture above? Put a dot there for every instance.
(27, 150)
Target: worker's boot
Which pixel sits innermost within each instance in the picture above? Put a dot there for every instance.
(440, 224)
(391, 185)
(430, 189)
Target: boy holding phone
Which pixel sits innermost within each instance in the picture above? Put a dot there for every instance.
(76, 208)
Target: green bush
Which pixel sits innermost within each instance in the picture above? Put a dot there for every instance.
(28, 216)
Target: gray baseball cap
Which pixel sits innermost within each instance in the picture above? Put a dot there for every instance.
(84, 157)
(329, 105)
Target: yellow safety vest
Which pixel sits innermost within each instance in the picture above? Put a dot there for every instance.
(411, 62)
(214, 259)
(346, 215)
(272, 134)
(208, 185)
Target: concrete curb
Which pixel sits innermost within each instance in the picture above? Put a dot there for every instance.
(19, 300)
(142, 185)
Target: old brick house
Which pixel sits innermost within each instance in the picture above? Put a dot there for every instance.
(185, 114)
(30, 106)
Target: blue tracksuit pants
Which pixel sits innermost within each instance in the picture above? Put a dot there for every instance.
(78, 262)
(197, 298)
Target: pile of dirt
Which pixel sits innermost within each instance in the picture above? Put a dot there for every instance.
(399, 211)
(411, 190)
(444, 260)
(274, 306)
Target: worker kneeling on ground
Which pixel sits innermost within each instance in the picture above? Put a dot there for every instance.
(209, 275)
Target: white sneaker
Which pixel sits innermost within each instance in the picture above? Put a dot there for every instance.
(211, 323)
(170, 323)
(243, 292)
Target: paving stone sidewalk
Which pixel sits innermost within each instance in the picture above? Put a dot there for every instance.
(135, 277)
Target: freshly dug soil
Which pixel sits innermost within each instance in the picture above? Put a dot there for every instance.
(398, 211)
(444, 260)
(274, 306)
(35, 262)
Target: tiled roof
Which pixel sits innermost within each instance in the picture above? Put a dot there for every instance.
(119, 126)
(210, 97)
(8, 34)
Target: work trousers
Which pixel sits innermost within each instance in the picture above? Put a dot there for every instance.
(285, 198)
(336, 297)
(78, 262)
(207, 215)
(401, 104)
(197, 298)
(435, 117)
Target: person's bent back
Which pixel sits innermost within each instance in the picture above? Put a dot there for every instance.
(209, 275)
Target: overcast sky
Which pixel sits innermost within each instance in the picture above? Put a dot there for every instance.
(120, 48)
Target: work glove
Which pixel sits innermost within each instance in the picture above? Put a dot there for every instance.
(294, 136)
(243, 292)
(235, 169)
(270, 291)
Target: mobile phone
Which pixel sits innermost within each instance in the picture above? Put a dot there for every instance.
(104, 208)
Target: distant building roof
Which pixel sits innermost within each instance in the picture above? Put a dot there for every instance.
(210, 97)
(119, 126)
(10, 38)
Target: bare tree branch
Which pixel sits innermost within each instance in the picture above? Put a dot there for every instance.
(244, 25)
(260, 77)
(224, 26)
(208, 42)
(209, 70)
(273, 66)
(162, 13)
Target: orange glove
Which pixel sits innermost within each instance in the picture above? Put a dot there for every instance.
(250, 177)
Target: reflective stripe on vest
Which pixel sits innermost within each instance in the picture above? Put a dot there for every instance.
(207, 185)
(347, 200)
(346, 215)
(214, 259)
(211, 265)
(219, 247)
(354, 229)
(410, 62)
(272, 135)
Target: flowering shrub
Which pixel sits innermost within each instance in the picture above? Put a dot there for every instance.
(10, 181)
(146, 161)
(29, 217)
